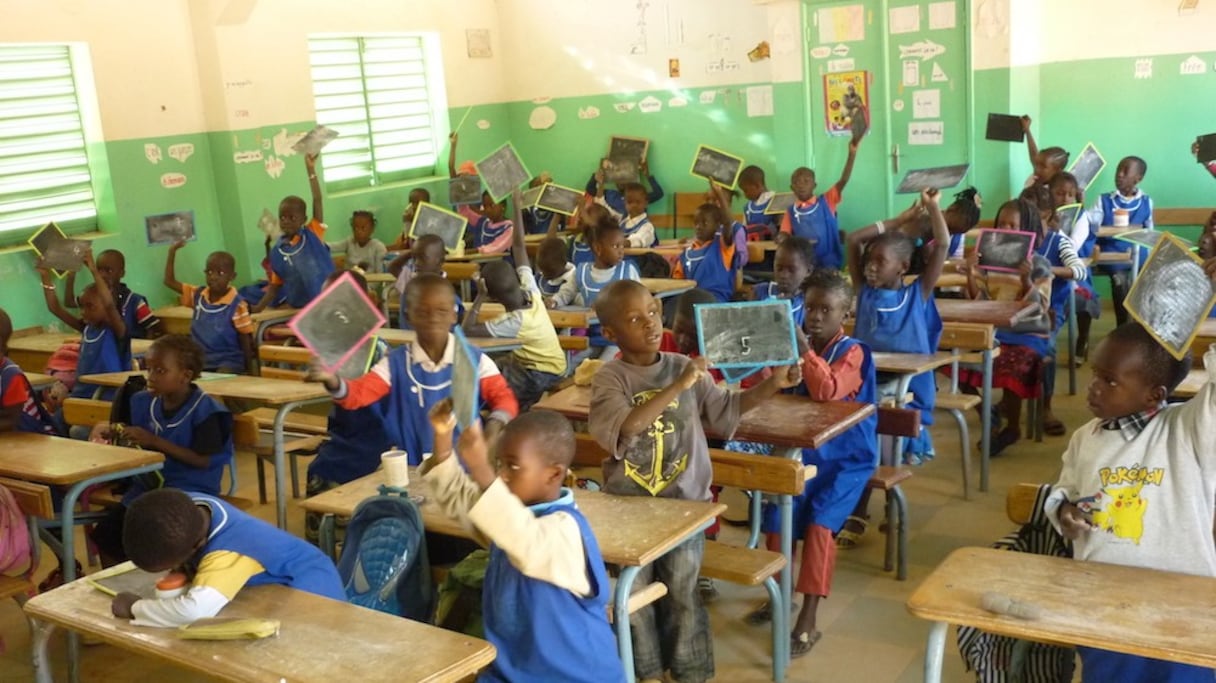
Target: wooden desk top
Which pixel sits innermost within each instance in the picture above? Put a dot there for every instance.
(1192, 384)
(264, 390)
(1082, 603)
(396, 337)
(379, 278)
(54, 460)
(665, 287)
(49, 342)
(1207, 329)
(784, 421)
(1112, 231)
(319, 640)
(187, 313)
(999, 313)
(631, 530)
(910, 363)
(665, 250)
(39, 381)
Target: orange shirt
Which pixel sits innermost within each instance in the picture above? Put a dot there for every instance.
(317, 228)
(832, 197)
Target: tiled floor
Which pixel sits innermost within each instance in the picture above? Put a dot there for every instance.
(867, 634)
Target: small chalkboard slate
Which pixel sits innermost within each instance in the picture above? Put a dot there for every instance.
(736, 375)
(718, 166)
(1206, 151)
(1148, 238)
(780, 203)
(746, 334)
(126, 578)
(45, 240)
(624, 160)
(337, 323)
(315, 140)
(1087, 166)
(502, 172)
(1171, 296)
(360, 361)
(938, 178)
(1004, 250)
(465, 383)
(1066, 217)
(530, 196)
(170, 228)
(559, 199)
(1005, 128)
(430, 219)
(464, 190)
(66, 256)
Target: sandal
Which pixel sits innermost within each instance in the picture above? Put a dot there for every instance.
(1054, 427)
(761, 615)
(850, 534)
(802, 643)
(1002, 440)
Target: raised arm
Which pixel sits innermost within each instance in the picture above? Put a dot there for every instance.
(452, 155)
(171, 267)
(935, 260)
(69, 291)
(114, 319)
(1031, 147)
(519, 250)
(314, 186)
(848, 166)
(655, 193)
(52, 301)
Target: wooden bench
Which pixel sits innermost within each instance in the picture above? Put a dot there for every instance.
(895, 422)
(967, 341)
(34, 501)
(248, 433)
(640, 597)
(85, 412)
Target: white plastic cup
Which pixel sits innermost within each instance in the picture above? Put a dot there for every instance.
(396, 468)
(1120, 218)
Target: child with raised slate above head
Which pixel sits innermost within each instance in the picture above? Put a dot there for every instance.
(759, 225)
(712, 260)
(221, 322)
(300, 260)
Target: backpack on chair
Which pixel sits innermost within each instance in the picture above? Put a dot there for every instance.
(384, 564)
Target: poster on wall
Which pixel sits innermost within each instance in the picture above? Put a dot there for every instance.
(845, 98)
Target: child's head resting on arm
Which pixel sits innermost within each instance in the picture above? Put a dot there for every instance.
(551, 257)
(793, 261)
(429, 254)
(1049, 162)
(827, 303)
(1132, 373)
(163, 529)
(293, 214)
(684, 322)
(608, 245)
(888, 257)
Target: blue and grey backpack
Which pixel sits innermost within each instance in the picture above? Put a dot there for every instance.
(384, 564)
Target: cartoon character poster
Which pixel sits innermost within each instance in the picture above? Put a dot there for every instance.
(846, 100)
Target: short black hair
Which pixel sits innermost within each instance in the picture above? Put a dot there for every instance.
(1029, 219)
(687, 301)
(1157, 365)
(1037, 194)
(551, 247)
(427, 282)
(424, 241)
(1057, 156)
(901, 244)
(1061, 178)
(161, 528)
(713, 212)
(424, 193)
(800, 171)
(486, 195)
(752, 174)
(297, 201)
(552, 432)
(829, 279)
(633, 186)
(602, 229)
(6, 330)
(1139, 163)
(187, 351)
(800, 247)
(122, 260)
(500, 278)
(363, 214)
(228, 260)
(607, 304)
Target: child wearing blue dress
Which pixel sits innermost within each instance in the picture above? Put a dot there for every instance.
(427, 256)
(300, 260)
(759, 225)
(1129, 198)
(792, 263)
(20, 407)
(712, 260)
(614, 199)
(590, 279)
(220, 322)
(814, 217)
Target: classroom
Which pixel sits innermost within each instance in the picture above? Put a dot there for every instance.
(992, 336)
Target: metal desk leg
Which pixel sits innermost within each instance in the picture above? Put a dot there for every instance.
(280, 458)
(620, 617)
(325, 535)
(42, 637)
(986, 420)
(935, 651)
(1072, 338)
(901, 391)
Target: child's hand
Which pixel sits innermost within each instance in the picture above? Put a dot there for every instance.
(1209, 267)
(88, 258)
(101, 433)
(43, 270)
(929, 197)
(138, 436)
(443, 422)
(472, 450)
(453, 138)
(644, 169)
(177, 245)
(1195, 149)
(549, 302)
(1025, 124)
(787, 377)
(599, 176)
(694, 371)
(1074, 522)
(310, 163)
(120, 606)
(317, 373)
(804, 344)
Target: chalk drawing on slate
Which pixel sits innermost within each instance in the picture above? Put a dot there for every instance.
(1171, 296)
(360, 361)
(502, 172)
(625, 157)
(1004, 128)
(746, 334)
(66, 256)
(336, 323)
(1004, 250)
(464, 190)
(721, 167)
(168, 228)
(559, 199)
(430, 219)
(1087, 166)
(938, 178)
(465, 400)
(530, 196)
(1066, 217)
(780, 203)
(315, 140)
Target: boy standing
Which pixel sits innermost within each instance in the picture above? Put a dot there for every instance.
(300, 261)
(1136, 486)
(1139, 207)
(647, 409)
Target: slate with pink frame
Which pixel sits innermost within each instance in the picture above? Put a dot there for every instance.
(338, 322)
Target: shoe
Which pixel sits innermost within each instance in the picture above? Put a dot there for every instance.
(760, 616)
(850, 534)
(55, 579)
(707, 589)
(802, 643)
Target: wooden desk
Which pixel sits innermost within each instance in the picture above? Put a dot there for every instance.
(662, 288)
(632, 531)
(396, 337)
(998, 313)
(177, 319)
(320, 640)
(285, 395)
(33, 351)
(1163, 621)
(1192, 384)
(40, 381)
(1207, 329)
(667, 251)
(1112, 231)
(907, 366)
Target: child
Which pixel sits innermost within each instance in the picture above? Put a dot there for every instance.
(221, 323)
(1065, 190)
(962, 215)
(835, 367)
(592, 278)
(791, 265)
(413, 378)
(356, 439)
(545, 596)
(583, 228)
(490, 230)
(20, 409)
(1136, 483)
(614, 199)
(222, 550)
(538, 221)
(427, 256)
(175, 417)
(553, 269)
(142, 323)
(363, 251)
(101, 326)
(1046, 162)
(1126, 197)
(759, 225)
(711, 260)
(417, 196)
(300, 260)
(814, 217)
(647, 410)
(639, 231)
(539, 362)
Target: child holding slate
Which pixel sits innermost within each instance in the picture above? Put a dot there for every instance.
(592, 278)
(712, 260)
(417, 196)
(614, 199)
(792, 263)
(413, 378)
(1136, 483)
(553, 269)
(647, 409)
(300, 260)
(635, 223)
(1046, 162)
(101, 326)
(545, 596)
(221, 324)
(814, 217)
(1138, 206)
(363, 251)
(759, 225)
(539, 362)
(427, 256)
(221, 549)
(141, 322)
(175, 417)
(20, 409)
(490, 229)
